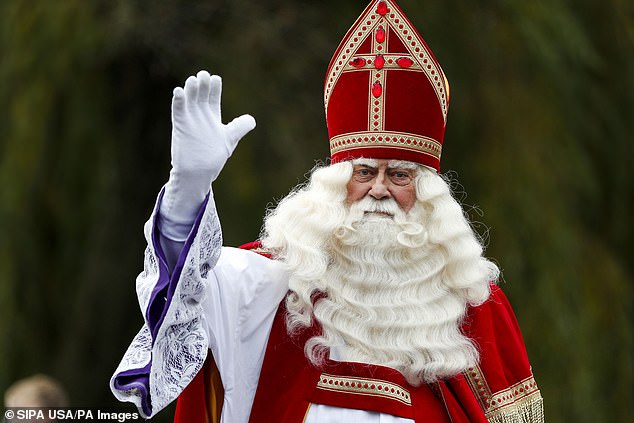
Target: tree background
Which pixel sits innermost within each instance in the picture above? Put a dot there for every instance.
(540, 136)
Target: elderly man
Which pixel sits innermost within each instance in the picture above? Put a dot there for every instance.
(368, 298)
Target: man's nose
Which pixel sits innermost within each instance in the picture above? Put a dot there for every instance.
(379, 189)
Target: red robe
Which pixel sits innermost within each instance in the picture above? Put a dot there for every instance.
(501, 388)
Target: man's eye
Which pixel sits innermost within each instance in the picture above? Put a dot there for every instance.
(363, 173)
(401, 177)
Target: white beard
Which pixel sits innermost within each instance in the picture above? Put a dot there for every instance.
(391, 292)
(386, 303)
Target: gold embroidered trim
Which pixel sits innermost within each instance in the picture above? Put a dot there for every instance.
(366, 25)
(520, 399)
(363, 386)
(514, 393)
(390, 63)
(479, 386)
(376, 105)
(402, 140)
(528, 409)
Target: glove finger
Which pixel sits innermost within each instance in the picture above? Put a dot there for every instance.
(238, 128)
(191, 89)
(215, 91)
(204, 86)
(178, 100)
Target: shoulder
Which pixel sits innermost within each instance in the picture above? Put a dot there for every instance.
(494, 328)
(493, 320)
(241, 268)
(245, 283)
(241, 259)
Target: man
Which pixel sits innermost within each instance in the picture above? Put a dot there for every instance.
(368, 298)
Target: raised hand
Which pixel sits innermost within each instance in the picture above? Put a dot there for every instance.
(201, 143)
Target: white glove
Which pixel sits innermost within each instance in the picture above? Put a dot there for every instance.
(201, 145)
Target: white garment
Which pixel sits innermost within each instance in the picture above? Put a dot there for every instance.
(245, 290)
(240, 297)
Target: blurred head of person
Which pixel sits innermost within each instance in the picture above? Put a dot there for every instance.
(36, 391)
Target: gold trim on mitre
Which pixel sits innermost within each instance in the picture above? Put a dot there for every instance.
(391, 139)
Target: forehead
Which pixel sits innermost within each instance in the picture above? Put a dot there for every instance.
(391, 164)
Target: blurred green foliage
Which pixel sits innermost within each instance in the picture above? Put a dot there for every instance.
(540, 133)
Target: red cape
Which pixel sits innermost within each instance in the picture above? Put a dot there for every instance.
(500, 389)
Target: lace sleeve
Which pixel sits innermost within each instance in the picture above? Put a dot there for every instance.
(172, 345)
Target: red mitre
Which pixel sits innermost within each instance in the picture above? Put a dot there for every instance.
(385, 95)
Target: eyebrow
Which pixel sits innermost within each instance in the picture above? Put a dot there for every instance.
(365, 162)
(403, 164)
(391, 164)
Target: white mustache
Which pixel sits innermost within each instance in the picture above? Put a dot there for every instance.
(369, 205)
(412, 235)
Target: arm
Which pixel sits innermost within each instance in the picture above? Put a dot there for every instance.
(172, 344)
(201, 145)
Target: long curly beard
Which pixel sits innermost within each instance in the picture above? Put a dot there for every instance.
(395, 295)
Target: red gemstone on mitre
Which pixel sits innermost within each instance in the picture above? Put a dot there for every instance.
(382, 9)
(377, 89)
(404, 62)
(359, 62)
(380, 35)
(379, 62)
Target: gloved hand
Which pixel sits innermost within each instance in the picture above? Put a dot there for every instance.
(201, 145)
